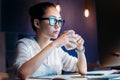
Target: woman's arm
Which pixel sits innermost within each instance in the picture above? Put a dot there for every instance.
(82, 64)
(80, 49)
(29, 67)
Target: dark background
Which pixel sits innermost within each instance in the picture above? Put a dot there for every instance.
(108, 23)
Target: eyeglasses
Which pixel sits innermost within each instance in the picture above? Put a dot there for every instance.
(53, 21)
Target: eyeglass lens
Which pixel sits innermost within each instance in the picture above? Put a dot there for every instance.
(53, 22)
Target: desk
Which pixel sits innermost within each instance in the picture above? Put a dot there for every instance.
(4, 76)
(78, 77)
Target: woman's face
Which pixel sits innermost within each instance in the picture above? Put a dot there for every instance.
(48, 30)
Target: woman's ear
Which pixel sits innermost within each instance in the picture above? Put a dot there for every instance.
(37, 23)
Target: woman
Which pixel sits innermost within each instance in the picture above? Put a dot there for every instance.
(39, 55)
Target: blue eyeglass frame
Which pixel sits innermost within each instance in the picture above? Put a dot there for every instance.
(53, 21)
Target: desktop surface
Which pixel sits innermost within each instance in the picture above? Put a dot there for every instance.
(79, 77)
(93, 75)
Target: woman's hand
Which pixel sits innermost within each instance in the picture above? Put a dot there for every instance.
(79, 42)
(82, 63)
(65, 38)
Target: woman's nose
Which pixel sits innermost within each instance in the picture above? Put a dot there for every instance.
(57, 25)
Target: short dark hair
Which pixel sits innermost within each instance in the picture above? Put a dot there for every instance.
(38, 10)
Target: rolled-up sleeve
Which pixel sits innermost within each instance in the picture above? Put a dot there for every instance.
(69, 62)
(22, 54)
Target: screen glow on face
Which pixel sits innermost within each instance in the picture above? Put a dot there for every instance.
(53, 21)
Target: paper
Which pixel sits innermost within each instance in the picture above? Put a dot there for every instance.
(102, 72)
(58, 77)
(118, 78)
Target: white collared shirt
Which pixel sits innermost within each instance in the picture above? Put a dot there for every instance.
(56, 61)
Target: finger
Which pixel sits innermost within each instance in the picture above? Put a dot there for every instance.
(80, 42)
(69, 32)
(77, 36)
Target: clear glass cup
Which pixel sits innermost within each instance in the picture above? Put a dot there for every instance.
(70, 46)
(72, 43)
